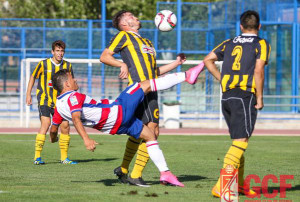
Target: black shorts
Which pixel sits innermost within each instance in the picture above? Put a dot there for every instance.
(148, 110)
(45, 110)
(239, 112)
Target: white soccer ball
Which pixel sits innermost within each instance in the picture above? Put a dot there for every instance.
(165, 20)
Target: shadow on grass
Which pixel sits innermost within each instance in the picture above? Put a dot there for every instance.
(113, 182)
(109, 182)
(81, 161)
(90, 160)
(186, 178)
(294, 188)
(181, 178)
(106, 182)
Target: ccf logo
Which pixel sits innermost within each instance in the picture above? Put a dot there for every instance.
(265, 189)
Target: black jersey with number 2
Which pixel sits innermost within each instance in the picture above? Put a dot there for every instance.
(239, 57)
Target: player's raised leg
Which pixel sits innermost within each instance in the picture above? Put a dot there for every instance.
(169, 80)
(193, 73)
(132, 145)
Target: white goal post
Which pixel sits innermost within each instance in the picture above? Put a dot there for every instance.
(28, 64)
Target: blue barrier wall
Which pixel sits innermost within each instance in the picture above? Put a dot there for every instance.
(201, 26)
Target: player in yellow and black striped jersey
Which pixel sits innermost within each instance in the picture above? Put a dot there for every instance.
(46, 94)
(46, 97)
(138, 53)
(139, 64)
(239, 58)
(242, 79)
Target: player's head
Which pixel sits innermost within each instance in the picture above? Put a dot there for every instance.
(58, 50)
(250, 20)
(125, 20)
(63, 81)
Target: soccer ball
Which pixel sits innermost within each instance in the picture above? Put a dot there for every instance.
(165, 20)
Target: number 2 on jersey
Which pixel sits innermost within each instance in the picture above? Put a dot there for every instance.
(237, 52)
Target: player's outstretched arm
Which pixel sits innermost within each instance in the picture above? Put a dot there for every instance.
(180, 59)
(259, 76)
(29, 89)
(89, 143)
(53, 133)
(108, 59)
(209, 62)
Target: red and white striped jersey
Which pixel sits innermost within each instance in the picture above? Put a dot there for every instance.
(102, 115)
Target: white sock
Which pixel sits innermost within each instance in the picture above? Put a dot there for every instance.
(157, 155)
(167, 81)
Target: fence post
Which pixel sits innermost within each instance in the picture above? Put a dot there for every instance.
(178, 33)
(278, 80)
(90, 48)
(21, 85)
(297, 60)
(295, 69)
(210, 45)
(44, 38)
(103, 26)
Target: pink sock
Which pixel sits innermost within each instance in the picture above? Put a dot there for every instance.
(167, 81)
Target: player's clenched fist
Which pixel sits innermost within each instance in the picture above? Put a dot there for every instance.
(90, 144)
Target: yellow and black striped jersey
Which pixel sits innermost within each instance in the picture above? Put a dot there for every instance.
(46, 94)
(239, 57)
(138, 53)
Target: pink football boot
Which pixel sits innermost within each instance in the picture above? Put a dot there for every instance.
(193, 73)
(167, 178)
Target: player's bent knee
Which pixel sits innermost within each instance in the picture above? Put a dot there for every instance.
(65, 127)
(147, 134)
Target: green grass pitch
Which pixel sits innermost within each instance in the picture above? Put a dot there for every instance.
(196, 160)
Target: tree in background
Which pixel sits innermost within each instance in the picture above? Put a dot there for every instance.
(79, 9)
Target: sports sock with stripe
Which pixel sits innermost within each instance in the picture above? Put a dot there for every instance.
(130, 150)
(241, 171)
(39, 144)
(234, 155)
(167, 81)
(157, 155)
(64, 141)
(141, 160)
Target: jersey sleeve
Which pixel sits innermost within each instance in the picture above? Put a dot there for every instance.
(76, 101)
(118, 42)
(219, 50)
(263, 50)
(57, 119)
(71, 69)
(37, 70)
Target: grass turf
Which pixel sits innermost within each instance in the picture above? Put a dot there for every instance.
(196, 160)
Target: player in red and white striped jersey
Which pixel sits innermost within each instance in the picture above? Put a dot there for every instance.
(99, 115)
(116, 117)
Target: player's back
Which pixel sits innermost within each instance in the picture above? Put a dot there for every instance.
(101, 115)
(239, 59)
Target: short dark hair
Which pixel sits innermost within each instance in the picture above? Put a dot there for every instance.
(250, 20)
(59, 78)
(58, 43)
(117, 17)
